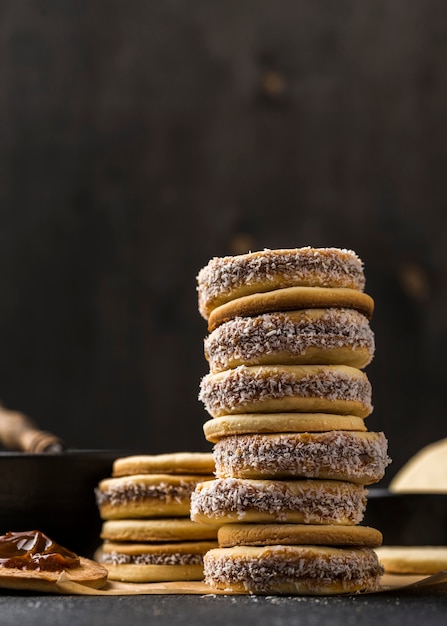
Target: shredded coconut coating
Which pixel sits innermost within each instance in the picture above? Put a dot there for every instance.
(316, 500)
(222, 278)
(358, 570)
(333, 454)
(133, 492)
(117, 558)
(244, 386)
(248, 339)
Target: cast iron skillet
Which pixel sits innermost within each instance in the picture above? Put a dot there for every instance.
(407, 519)
(44, 486)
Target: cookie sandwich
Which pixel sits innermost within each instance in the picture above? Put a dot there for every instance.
(336, 336)
(277, 447)
(294, 559)
(147, 532)
(288, 340)
(279, 279)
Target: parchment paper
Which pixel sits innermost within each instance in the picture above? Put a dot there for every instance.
(390, 582)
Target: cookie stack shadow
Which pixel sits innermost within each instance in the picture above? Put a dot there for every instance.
(289, 338)
(147, 532)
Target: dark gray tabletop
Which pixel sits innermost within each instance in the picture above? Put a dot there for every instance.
(385, 609)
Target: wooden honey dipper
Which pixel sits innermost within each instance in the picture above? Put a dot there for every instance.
(19, 432)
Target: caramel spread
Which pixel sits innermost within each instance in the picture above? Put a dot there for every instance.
(33, 550)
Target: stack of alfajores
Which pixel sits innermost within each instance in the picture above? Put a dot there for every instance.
(289, 336)
(147, 532)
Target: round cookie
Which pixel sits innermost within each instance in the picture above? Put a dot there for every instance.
(287, 388)
(303, 570)
(358, 457)
(225, 278)
(230, 535)
(226, 500)
(311, 336)
(245, 423)
(423, 560)
(146, 495)
(157, 530)
(171, 463)
(146, 562)
(425, 472)
(290, 299)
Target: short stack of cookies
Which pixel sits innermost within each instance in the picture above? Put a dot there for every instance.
(147, 532)
(289, 336)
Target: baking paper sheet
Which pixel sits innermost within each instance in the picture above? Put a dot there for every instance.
(390, 582)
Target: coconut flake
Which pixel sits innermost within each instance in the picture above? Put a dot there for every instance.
(177, 558)
(131, 492)
(352, 569)
(316, 500)
(243, 385)
(323, 267)
(248, 339)
(331, 454)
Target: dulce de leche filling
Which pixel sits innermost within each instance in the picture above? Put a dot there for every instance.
(32, 550)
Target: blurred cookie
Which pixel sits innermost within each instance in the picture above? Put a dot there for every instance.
(171, 463)
(157, 530)
(146, 495)
(423, 560)
(151, 562)
(425, 472)
(287, 388)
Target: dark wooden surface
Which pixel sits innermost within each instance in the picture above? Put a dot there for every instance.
(388, 609)
(140, 139)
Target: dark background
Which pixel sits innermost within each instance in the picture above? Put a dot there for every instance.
(139, 139)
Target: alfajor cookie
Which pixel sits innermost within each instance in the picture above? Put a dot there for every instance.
(425, 472)
(287, 388)
(226, 278)
(293, 569)
(226, 500)
(291, 299)
(359, 457)
(423, 560)
(171, 463)
(244, 423)
(312, 336)
(240, 534)
(146, 495)
(152, 562)
(157, 530)
(217, 428)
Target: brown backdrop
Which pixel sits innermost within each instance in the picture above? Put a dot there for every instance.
(139, 139)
